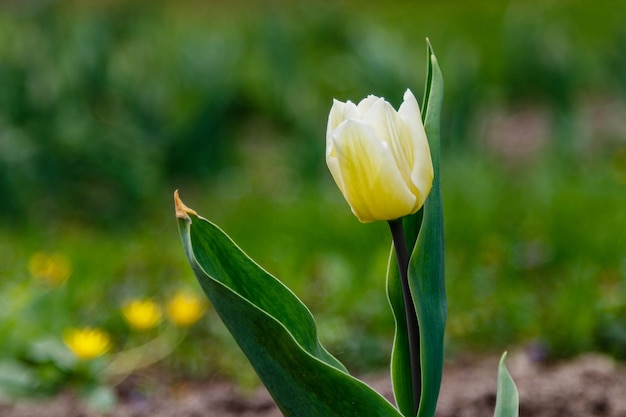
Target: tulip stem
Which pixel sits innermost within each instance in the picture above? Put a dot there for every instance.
(402, 254)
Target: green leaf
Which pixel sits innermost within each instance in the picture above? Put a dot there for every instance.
(426, 268)
(274, 329)
(507, 401)
(424, 234)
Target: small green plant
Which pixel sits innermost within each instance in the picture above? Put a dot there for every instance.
(386, 164)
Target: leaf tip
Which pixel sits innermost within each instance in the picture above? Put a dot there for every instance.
(182, 211)
(429, 46)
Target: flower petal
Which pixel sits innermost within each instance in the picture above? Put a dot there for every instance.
(371, 182)
(333, 165)
(339, 112)
(422, 172)
(365, 104)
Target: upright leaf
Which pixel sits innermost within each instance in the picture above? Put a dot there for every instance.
(507, 400)
(273, 328)
(426, 268)
(426, 272)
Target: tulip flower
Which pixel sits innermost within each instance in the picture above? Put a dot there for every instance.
(379, 157)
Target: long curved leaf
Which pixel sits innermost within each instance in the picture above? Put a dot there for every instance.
(273, 328)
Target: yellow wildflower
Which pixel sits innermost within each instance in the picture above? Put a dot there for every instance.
(184, 309)
(87, 342)
(142, 314)
(51, 269)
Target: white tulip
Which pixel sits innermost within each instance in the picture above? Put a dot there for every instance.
(379, 157)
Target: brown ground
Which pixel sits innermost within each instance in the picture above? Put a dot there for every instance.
(588, 386)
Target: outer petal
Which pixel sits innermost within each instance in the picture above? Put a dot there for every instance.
(333, 164)
(339, 112)
(372, 184)
(422, 173)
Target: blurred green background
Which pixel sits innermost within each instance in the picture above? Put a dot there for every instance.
(107, 107)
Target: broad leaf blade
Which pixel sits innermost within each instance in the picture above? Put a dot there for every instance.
(426, 268)
(274, 329)
(507, 400)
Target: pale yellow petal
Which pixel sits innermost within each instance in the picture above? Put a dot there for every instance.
(339, 112)
(333, 167)
(372, 184)
(422, 173)
(365, 104)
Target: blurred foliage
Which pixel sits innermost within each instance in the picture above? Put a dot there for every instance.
(106, 107)
(101, 106)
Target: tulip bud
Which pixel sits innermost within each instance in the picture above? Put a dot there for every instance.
(379, 157)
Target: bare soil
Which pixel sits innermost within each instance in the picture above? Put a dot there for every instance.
(591, 385)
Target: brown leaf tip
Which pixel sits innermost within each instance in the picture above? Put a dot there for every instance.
(182, 211)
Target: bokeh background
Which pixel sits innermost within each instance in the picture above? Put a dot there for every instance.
(107, 107)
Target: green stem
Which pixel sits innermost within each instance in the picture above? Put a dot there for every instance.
(402, 254)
